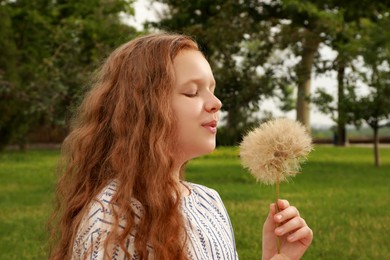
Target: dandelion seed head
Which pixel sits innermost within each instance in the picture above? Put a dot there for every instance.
(274, 151)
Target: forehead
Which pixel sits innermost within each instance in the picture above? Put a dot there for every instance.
(191, 65)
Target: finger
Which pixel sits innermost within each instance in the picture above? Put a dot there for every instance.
(286, 214)
(282, 204)
(290, 226)
(269, 223)
(272, 208)
(304, 234)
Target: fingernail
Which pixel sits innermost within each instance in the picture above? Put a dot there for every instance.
(278, 217)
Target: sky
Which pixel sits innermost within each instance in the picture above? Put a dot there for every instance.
(145, 11)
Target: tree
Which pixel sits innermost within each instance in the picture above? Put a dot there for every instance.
(303, 26)
(229, 26)
(371, 49)
(346, 41)
(51, 49)
(19, 67)
(374, 108)
(7, 75)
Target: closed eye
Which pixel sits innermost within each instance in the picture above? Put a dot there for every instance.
(191, 94)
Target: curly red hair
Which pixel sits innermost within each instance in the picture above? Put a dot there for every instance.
(125, 130)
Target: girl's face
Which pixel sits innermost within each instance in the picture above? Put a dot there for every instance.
(195, 105)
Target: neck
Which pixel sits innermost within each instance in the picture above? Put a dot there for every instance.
(184, 190)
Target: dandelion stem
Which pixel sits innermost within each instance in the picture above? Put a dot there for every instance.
(277, 211)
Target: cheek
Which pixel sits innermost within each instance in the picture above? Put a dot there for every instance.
(188, 111)
(185, 120)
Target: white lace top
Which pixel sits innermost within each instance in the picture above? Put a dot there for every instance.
(208, 227)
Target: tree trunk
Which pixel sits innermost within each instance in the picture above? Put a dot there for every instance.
(233, 132)
(376, 146)
(310, 47)
(341, 120)
(231, 119)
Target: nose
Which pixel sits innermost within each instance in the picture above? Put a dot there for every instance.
(213, 105)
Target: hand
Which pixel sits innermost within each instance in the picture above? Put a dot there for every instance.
(280, 257)
(294, 234)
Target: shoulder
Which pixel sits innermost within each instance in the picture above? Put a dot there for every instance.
(98, 221)
(100, 210)
(198, 188)
(97, 218)
(201, 188)
(205, 193)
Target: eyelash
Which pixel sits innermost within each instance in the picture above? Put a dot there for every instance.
(191, 95)
(195, 94)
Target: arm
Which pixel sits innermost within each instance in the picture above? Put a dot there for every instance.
(294, 234)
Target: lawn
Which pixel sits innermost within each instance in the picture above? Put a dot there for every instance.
(343, 197)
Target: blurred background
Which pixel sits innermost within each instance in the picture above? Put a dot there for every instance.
(325, 63)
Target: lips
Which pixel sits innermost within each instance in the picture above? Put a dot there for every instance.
(211, 126)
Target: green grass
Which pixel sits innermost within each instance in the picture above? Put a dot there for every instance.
(343, 197)
(26, 185)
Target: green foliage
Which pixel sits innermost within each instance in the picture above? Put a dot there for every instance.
(373, 108)
(8, 77)
(49, 49)
(232, 136)
(248, 42)
(236, 46)
(229, 136)
(48, 52)
(342, 196)
(244, 40)
(360, 34)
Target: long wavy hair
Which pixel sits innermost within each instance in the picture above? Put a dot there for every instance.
(125, 130)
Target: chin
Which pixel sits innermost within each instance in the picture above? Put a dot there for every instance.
(203, 151)
(209, 148)
(197, 148)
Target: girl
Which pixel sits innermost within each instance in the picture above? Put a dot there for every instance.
(122, 194)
